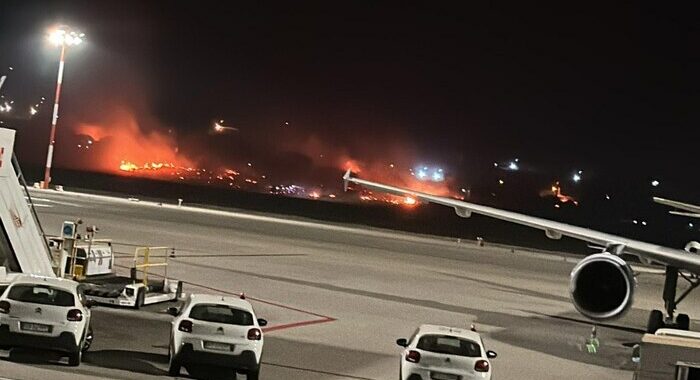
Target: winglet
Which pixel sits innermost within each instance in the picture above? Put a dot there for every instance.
(346, 180)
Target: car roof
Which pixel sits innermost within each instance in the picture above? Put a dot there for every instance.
(57, 282)
(219, 299)
(447, 330)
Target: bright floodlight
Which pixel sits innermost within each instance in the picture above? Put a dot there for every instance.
(513, 165)
(65, 36)
(577, 177)
(655, 183)
(220, 128)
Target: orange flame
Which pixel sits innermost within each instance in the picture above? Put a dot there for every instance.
(122, 145)
(555, 191)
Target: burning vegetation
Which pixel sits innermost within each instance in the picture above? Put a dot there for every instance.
(125, 145)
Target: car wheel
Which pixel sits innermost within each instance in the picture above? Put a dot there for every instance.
(253, 374)
(88, 339)
(683, 322)
(140, 298)
(178, 292)
(75, 358)
(656, 321)
(173, 364)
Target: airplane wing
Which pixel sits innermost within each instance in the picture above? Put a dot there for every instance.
(554, 230)
(692, 211)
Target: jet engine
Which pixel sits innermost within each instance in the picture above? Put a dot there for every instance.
(692, 247)
(602, 286)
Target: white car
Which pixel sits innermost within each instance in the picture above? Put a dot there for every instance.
(444, 353)
(45, 312)
(216, 331)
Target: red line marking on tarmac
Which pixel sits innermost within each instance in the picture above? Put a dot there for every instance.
(297, 324)
(322, 318)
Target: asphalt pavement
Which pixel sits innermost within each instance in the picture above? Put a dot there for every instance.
(338, 296)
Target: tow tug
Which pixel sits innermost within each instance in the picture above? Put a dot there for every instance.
(25, 248)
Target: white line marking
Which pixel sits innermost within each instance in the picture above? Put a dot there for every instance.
(455, 243)
(260, 218)
(54, 201)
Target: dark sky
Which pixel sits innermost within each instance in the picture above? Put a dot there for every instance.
(611, 89)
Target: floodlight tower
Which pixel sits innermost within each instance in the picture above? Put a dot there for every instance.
(62, 36)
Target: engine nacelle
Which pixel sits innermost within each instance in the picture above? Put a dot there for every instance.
(602, 286)
(692, 247)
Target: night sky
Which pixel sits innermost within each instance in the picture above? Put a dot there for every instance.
(608, 89)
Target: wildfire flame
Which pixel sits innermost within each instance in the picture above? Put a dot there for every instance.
(555, 191)
(122, 145)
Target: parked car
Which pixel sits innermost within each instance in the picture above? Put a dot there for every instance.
(216, 331)
(444, 353)
(46, 312)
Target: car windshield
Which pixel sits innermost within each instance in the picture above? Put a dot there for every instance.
(41, 294)
(221, 314)
(451, 345)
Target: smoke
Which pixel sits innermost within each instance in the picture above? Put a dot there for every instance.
(390, 160)
(117, 127)
(121, 137)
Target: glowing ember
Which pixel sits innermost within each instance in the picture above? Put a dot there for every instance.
(555, 191)
(409, 201)
(128, 166)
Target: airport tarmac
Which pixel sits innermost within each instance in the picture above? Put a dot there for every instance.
(338, 297)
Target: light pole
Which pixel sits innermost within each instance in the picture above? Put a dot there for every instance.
(63, 37)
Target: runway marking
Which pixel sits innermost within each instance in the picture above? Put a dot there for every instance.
(260, 218)
(119, 254)
(54, 201)
(297, 324)
(321, 318)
